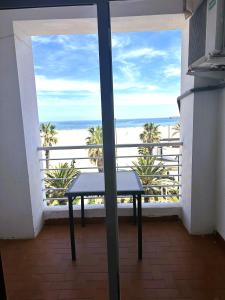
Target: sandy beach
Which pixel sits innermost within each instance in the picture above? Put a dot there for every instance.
(128, 135)
(123, 136)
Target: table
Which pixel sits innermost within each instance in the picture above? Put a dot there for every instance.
(92, 184)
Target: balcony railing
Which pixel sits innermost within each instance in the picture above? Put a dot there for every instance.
(157, 164)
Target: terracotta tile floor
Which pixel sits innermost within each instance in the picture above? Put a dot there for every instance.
(175, 265)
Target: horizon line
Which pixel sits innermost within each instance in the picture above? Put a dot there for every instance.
(51, 121)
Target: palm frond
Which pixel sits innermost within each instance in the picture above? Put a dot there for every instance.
(177, 129)
(95, 154)
(152, 174)
(150, 134)
(67, 173)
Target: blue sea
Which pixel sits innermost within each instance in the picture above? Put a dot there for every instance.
(123, 123)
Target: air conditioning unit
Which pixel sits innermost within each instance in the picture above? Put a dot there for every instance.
(207, 40)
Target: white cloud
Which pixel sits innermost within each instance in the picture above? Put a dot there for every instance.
(42, 39)
(60, 39)
(60, 85)
(126, 85)
(36, 67)
(129, 71)
(151, 87)
(145, 99)
(175, 51)
(68, 43)
(44, 84)
(121, 100)
(141, 52)
(90, 46)
(51, 102)
(172, 71)
(120, 42)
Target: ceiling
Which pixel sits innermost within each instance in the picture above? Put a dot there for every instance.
(189, 6)
(192, 5)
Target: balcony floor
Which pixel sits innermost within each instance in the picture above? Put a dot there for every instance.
(175, 265)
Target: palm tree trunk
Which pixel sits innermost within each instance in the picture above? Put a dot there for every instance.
(100, 165)
(47, 156)
(150, 150)
(147, 200)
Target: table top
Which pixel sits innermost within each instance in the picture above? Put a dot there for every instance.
(92, 184)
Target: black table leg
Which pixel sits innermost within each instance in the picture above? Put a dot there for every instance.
(72, 236)
(134, 210)
(139, 227)
(2, 282)
(82, 211)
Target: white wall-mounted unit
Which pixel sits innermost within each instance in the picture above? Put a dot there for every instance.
(207, 39)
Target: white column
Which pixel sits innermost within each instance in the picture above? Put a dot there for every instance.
(220, 176)
(186, 115)
(21, 206)
(204, 158)
(199, 134)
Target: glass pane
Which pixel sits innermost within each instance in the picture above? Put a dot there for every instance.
(66, 63)
(146, 72)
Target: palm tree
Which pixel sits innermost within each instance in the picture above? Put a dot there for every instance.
(152, 174)
(150, 134)
(176, 129)
(64, 175)
(95, 154)
(48, 135)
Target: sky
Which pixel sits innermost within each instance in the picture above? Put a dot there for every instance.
(146, 75)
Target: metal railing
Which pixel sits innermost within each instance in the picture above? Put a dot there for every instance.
(157, 164)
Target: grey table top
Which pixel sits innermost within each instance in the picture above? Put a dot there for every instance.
(92, 184)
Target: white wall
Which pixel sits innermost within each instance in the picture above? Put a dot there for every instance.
(79, 20)
(220, 176)
(199, 120)
(204, 160)
(199, 117)
(21, 210)
(187, 115)
(25, 66)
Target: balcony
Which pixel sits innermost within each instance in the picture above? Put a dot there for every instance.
(175, 264)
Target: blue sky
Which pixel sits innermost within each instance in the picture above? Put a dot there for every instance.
(146, 71)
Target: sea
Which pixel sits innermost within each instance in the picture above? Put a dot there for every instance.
(119, 123)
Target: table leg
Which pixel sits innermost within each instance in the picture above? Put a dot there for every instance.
(72, 236)
(82, 211)
(139, 227)
(2, 282)
(134, 210)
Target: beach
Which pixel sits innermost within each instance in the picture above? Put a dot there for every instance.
(77, 137)
(129, 135)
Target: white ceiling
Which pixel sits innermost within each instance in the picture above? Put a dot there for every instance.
(89, 25)
(192, 5)
(131, 15)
